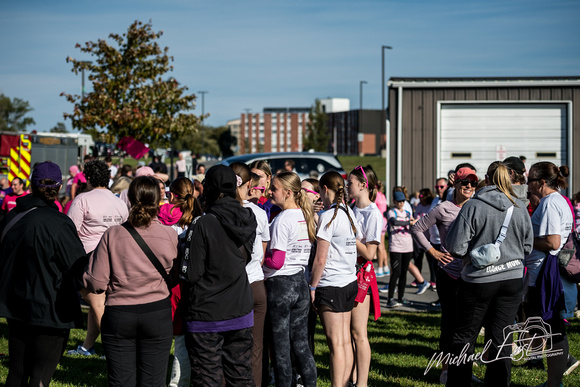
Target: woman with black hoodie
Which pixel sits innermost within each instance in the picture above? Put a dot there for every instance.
(218, 299)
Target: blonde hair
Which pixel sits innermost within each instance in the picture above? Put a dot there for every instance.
(334, 182)
(291, 181)
(498, 173)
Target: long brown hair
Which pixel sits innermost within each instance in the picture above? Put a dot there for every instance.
(370, 181)
(291, 181)
(144, 196)
(335, 182)
(182, 188)
(555, 177)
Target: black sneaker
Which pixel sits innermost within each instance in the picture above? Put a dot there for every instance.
(404, 302)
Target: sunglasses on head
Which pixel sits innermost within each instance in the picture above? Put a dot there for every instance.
(465, 183)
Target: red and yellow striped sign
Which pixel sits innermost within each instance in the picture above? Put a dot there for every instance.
(19, 162)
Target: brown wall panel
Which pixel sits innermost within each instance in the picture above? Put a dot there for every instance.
(419, 117)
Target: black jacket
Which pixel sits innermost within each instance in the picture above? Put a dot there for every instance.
(37, 257)
(217, 286)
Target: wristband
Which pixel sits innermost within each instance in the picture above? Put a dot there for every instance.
(312, 287)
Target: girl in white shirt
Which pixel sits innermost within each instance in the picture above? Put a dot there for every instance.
(254, 267)
(333, 286)
(291, 235)
(362, 183)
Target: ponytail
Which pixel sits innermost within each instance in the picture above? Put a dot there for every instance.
(334, 182)
(304, 204)
(183, 189)
(499, 175)
(291, 181)
(555, 177)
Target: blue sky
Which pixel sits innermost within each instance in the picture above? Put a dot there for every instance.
(254, 54)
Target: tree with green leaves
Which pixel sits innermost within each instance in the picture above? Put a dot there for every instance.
(60, 127)
(317, 136)
(132, 94)
(13, 114)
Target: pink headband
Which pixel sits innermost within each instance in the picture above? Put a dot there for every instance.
(312, 192)
(365, 175)
(260, 188)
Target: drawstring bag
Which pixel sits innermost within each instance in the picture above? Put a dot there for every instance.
(489, 254)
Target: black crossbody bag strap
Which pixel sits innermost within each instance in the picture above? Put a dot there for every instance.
(147, 251)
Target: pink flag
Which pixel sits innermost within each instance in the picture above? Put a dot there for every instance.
(134, 148)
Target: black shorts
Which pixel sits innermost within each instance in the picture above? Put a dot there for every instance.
(337, 299)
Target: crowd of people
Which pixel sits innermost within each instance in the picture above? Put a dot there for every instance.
(236, 266)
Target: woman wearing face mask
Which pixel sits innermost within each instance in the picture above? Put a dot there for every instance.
(449, 270)
(491, 288)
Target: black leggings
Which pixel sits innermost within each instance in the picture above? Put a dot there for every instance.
(399, 266)
(34, 353)
(288, 307)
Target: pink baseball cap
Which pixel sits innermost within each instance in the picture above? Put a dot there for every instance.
(144, 171)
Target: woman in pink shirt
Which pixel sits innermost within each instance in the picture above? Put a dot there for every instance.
(136, 328)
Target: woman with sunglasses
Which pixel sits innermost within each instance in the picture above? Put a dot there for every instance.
(491, 286)
(362, 183)
(552, 223)
(449, 271)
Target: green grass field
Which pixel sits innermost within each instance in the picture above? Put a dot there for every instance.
(402, 344)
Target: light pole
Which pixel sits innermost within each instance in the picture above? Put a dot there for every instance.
(86, 62)
(384, 121)
(360, 106)
(203, 93)
(360, 114)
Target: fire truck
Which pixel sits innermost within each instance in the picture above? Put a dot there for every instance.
(20, 152)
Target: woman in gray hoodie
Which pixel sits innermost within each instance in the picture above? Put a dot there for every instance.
(490, 293)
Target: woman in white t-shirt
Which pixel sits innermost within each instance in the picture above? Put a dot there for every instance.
(254, 267)
(552, 223)
(291, 235)
(362, 187)
(333, 286)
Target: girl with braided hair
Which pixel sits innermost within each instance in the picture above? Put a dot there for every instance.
(333, 286)
(362, 187)
(291, 235)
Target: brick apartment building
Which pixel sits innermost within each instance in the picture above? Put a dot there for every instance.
(274, 130)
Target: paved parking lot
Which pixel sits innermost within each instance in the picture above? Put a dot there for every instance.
(419, 303)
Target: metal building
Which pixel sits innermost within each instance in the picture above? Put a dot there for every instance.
(437, 123)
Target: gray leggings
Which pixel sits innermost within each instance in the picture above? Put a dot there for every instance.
(288, 306)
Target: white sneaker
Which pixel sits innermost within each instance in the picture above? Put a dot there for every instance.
(380, 272)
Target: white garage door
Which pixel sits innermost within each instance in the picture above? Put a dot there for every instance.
(482, 133)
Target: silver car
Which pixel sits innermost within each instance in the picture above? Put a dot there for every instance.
(306, 164)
